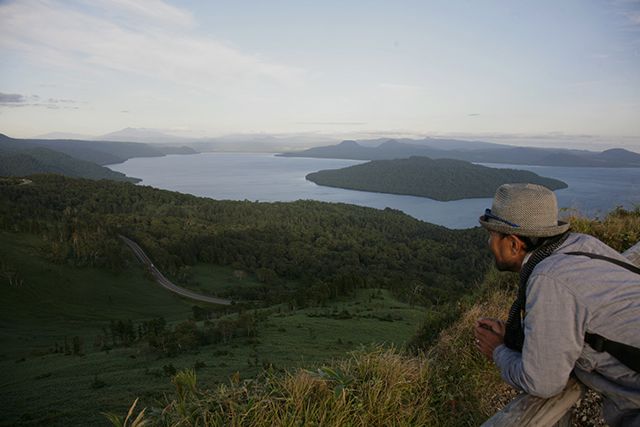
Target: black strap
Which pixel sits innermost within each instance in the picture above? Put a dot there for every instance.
(514, 333)
(618, 262)
(626, 354)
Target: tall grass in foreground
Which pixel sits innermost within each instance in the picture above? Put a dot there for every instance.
(451, 384)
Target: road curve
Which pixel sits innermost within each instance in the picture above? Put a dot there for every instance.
(166, 283)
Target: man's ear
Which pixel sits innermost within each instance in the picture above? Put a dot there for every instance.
(516, 244)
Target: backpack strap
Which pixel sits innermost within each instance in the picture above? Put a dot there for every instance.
(622, 264)
(626, 354)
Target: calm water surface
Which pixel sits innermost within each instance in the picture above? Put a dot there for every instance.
(265, 177)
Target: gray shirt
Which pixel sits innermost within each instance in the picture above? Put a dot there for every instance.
(567, 296)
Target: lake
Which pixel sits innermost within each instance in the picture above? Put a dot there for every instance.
(268, 178)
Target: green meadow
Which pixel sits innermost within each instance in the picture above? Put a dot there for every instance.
(44, 304)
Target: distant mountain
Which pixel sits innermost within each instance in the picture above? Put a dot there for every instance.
(35, 160)
(253, 142)
(172, 149)
(442, 179)
(246, 142)
(435, 143)
(143, 135)
(258, 143)
(390, 149)
(63, 135)
(619, 155)
(484, 153)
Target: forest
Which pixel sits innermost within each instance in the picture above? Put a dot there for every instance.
(439, 179)
(332, 248)
(311, 281)
(43, 160)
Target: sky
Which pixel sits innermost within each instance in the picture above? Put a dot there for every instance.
(543, 73)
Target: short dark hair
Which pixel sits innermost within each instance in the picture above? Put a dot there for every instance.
(532, 243)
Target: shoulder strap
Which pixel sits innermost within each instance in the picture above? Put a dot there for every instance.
(619, 263)
(626, 354)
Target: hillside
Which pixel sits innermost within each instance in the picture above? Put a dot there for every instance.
(464, 150)
(449, 384)
(99, 152)
(83, 159)
(441, 179)
(84, 326)
(47, 308)
(42, 160)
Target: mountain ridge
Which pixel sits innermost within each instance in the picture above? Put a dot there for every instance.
(496, 153)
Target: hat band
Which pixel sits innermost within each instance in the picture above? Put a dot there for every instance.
(489, 215)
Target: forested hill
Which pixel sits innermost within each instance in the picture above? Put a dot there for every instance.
(441, 179)
(99, 152)
(42, 160)
(329, 248)
(85, 159)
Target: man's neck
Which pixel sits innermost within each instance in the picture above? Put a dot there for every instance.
(525, 259)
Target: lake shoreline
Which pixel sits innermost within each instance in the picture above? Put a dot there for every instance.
(266, 177)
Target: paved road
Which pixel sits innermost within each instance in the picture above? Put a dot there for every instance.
(166, 283)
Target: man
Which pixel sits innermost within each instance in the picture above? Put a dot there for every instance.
(568, 305)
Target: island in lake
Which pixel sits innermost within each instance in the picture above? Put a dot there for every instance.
(440, 179)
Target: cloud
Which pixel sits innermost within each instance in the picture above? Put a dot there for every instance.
(332, 123)
(399, 87)
(60, 101)
(11, 98)
(18, 100)
(630, 9)
(634, 17)
(146, 12)
(148, 38)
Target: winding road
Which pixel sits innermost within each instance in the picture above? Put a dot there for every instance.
(166, 283)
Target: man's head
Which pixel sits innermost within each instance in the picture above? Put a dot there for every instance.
(521, 215)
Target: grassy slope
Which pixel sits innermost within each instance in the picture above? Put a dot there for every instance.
(55, 301)
(217, 280)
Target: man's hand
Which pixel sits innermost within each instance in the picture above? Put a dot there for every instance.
(489, 334)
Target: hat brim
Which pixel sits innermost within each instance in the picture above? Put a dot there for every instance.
(522, 231)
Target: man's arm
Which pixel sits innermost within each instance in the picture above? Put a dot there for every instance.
(554, 328)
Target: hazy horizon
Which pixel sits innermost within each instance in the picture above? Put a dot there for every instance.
(294, 141)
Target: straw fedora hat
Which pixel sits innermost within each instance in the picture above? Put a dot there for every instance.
(524, 209)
